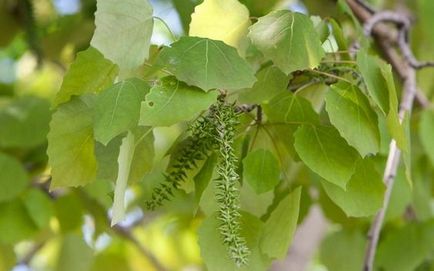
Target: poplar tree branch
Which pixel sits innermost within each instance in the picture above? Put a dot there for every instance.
(405, 65)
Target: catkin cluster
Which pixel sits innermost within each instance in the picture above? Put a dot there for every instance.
(212, 132)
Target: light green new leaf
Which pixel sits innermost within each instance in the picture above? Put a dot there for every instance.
(271, 81)
(207, 64)
(215, 254)
(289, 108)
(280, 227)
(288, 39)
(426, 132)
(351, 114)
(406, 248)
(13, 178)
(89, 73)
(171, 101)
(343, 250)
(117, 109)
(326, 153)
(206, 21)
(123, 31)
(71, 146)
(261, 170)
(379, 82)
(24, 123)
(364, 194)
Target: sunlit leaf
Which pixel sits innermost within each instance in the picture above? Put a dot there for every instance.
(123, 31)
(206, 21)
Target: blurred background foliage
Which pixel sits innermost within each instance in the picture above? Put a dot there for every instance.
(69, 229)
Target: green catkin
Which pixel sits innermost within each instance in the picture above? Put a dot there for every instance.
(196, 148)
(227, 194)
(215, 131)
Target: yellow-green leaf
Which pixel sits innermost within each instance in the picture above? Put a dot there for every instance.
(225, 20)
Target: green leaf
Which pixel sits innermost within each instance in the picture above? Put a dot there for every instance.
(271, 81)
(125, 158)
(171, 101)
(15, 223)
(215, 254)
(8, 258)
(380, 84)
(117, 109)
(75, 254)
(289, 108)
(24, 123)
(123, 31)
(71, 145)
(261, 170)
(69, 212)
(343, 250)
(351, 114)
(364, 194)
(13, 178)
(207, 64)
(206, 21)
(326, 153)
(39, 207)
(406, 248)
(288, 39)
(89, 73)
(253, 203)
(426, 132)
(144, 152)
(280, 227)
